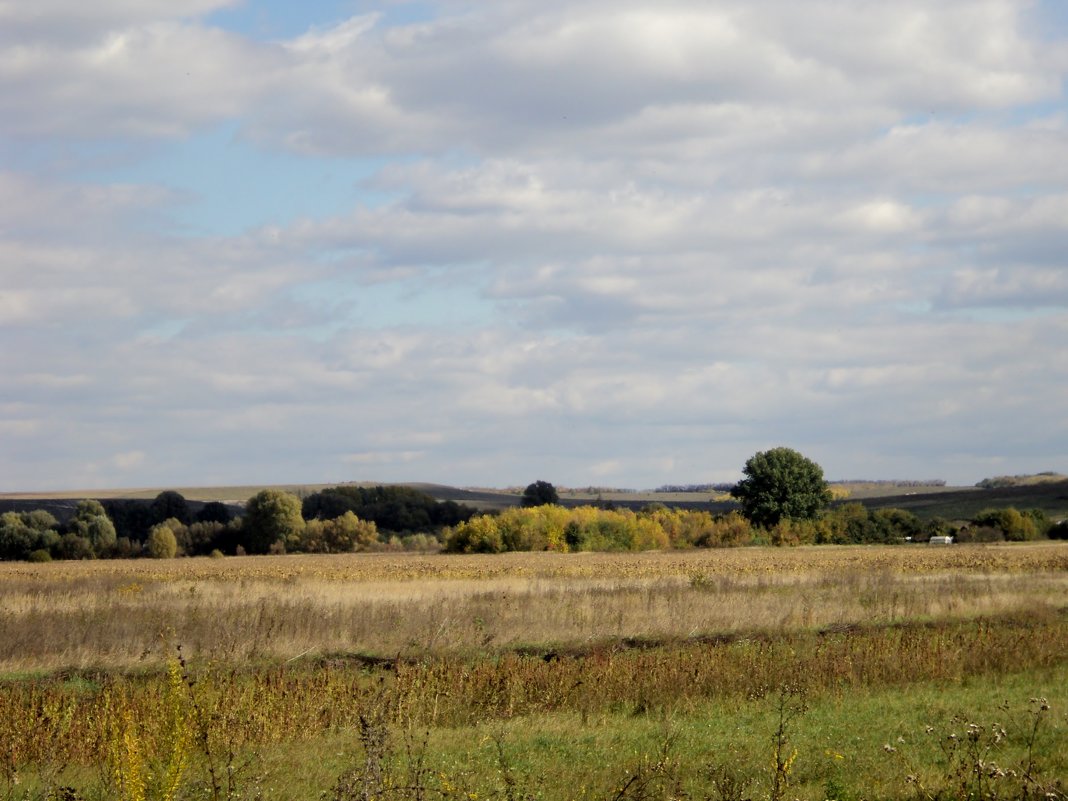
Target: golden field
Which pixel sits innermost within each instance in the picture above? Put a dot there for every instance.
(126, 614)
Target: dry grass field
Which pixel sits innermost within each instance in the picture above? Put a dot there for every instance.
(126, 614)
(820, 673)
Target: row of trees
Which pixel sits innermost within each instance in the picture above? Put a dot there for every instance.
(392, 508)
(342, 519)
(588, 528)
(784, 500)
(783, 497)
(38, 536)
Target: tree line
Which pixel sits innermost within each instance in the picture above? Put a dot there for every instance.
(337, 520)
(783, 500)
(655, 527)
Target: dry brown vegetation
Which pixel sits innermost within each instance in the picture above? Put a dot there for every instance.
(662, 668)
(121, 615)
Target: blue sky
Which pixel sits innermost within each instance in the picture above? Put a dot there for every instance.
(612, 243)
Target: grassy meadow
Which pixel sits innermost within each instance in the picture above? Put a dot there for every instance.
(811, 673)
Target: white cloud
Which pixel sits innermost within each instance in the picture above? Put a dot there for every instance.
(683, 232)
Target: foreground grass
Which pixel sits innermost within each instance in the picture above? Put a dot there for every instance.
(852, 742)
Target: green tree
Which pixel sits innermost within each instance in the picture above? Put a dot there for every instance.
(781, 484)
(339, 535)
(92, 523)
(22, 533)
(170, 504)
(74, 546)
(214, 512)
(271, 516)
(540, 493)
(1013, 524)
(17, 539)
(161, 542)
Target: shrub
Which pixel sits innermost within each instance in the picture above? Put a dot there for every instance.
(214, 512)
(40, 555)
(92, 524)
(971, 534)
(895, 525)
(125, 548)
(478, 535)
(75, 546)
(343, 534)
(1015, 526)
(727, 531)
(390, 508)
(271, 518)
(200, 538)
(421, 542)
(161, 542)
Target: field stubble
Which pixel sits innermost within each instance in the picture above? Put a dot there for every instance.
(117, 615)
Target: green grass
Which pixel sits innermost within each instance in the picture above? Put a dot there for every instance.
(840, 741)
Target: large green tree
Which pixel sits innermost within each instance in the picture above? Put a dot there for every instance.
(781, 483)
(92, 523)
(540, 493)
(170, 504)
(271, 516)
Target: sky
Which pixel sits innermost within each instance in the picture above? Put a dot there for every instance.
(594, 242)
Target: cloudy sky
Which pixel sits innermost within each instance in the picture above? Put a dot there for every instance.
(594, 242)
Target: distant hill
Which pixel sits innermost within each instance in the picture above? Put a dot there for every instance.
(1045, 491)
(998, 482)
(957, 503)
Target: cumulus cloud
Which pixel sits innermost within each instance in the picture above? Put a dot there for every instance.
(665, 237)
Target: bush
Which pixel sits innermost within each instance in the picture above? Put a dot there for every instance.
(75, 546)
(477, 535)
(1015, 526)
(973, 534)
(40, 555)
(200, 538)
(271, 518)
(161, 542)
(92, 524)
(341, 535)
(392, 508)
(1058, 531)
(554, 528)
(214, 512)
(125, 548)
(421, 543)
